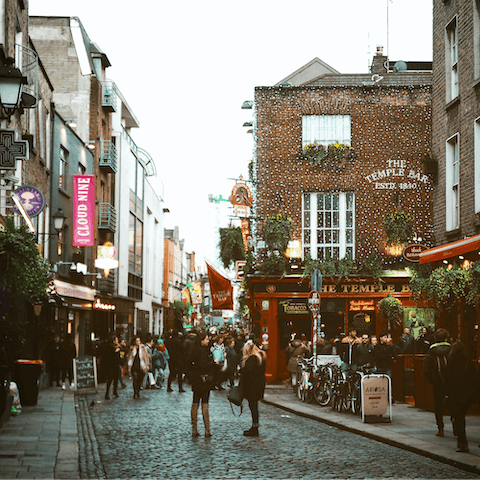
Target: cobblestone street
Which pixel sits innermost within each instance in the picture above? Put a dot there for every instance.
(151, 438)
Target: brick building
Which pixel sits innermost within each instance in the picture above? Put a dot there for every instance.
(456, 151)
(338, 203)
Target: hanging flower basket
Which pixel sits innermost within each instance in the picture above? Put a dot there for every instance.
(391, 309)
(335, 154)
(399, 227)
(277, 230)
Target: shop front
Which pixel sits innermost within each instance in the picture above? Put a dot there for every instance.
(280, 311)
(74, 315)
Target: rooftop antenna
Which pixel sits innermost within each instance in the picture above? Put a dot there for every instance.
(388, 51)
(369, 53)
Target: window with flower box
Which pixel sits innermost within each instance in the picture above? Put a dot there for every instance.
(326, 129)
(328, 225)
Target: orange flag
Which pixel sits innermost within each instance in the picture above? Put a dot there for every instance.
(221, 289)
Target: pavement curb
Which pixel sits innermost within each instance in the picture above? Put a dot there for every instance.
(412, 445)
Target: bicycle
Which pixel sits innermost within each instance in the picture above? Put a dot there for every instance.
(305, 372)
(322, 385)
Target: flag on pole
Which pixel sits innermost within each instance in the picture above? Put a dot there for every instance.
(221, 289)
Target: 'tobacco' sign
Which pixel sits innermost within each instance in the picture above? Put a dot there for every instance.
(83, 210)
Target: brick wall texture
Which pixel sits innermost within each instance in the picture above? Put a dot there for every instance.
(455, 117)
(390, 126)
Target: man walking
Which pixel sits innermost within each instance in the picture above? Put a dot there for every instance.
(433, 367)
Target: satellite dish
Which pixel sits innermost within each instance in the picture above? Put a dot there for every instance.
(400, 66)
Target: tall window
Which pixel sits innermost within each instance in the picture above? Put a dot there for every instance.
(452, 184)
(62, 171)
(476, 38)
(477, 166)
(326, 129)
(451, 60)
(329, 225)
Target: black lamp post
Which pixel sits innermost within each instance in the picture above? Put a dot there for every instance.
(11, 81)
(59, 220)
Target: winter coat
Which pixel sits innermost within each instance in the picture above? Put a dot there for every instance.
(295, 352)
(405, 344)
(202, 364)
(252, 379)
(382, 354)
(436, 354)
(348, 351)
(175, 350)
(461, 382)
(143, 355)
(422, 343)
(111, 358)
(364, 354)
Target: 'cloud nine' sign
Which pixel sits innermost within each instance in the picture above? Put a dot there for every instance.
(83, 210)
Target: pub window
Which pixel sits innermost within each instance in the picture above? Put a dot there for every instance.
(328, 225)
(452, 184)
(326, 129)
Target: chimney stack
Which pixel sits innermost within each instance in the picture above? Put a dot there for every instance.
(379, 61)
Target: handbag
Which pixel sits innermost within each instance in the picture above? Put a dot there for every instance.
(235, 397)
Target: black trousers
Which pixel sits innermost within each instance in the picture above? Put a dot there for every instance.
(438, 398)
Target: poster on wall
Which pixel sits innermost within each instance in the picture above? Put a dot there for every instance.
(416, 318)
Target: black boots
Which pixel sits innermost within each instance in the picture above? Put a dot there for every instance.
(253, 432)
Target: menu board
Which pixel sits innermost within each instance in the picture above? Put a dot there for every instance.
(85, 372)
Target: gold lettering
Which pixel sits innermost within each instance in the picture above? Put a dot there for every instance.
(332, 289)
(345, 288)
(365, 289)
(406, 288)
(354, 289)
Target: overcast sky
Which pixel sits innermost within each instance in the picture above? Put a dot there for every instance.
(185, 68)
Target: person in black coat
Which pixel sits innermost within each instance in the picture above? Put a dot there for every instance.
(174, 346)
(111, 362)
(434, 364)
(202, 381)
(383, 353)
(252, 380)
(461, 380)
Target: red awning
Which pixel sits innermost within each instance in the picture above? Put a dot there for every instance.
(460, 247)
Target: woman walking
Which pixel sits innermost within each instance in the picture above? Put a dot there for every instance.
(460, 384)
(252, 380)
(203, 375)
(138, 365)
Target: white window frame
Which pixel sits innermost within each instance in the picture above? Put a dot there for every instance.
(476, 39)
(326, 129)
(311, 229)
(451, 59)
(452, 183)
(476, 167)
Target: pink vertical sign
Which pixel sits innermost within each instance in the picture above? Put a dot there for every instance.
(83, 210)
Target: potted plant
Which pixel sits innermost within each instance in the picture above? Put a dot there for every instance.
(399, 227)
(391, 309)
(231, 246)
(335, 153)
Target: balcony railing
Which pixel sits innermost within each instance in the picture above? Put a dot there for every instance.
(108, 217)
(26, 60)
(108, 156)
(107, 284)
(109, 95)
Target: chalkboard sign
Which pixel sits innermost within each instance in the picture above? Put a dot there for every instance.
(85, 372)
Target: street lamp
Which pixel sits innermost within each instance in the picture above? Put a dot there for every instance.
(59, 220)
(11, 81)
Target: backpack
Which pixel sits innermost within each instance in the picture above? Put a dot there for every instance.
(441, 365)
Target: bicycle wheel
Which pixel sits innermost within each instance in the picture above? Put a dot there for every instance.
(356, 397)
(322, 390)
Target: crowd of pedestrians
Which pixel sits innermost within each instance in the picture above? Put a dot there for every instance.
(447, 367)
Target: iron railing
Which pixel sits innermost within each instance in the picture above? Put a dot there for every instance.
(108, 217)
(108, 155)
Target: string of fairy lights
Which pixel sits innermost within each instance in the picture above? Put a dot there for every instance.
(391, 125)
